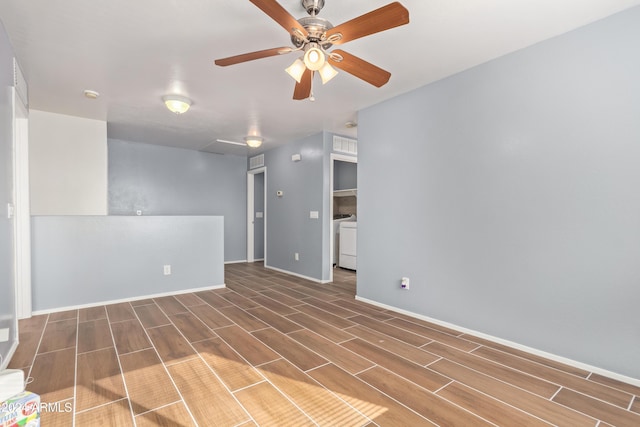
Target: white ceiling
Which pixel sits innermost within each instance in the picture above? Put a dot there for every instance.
(133, 52)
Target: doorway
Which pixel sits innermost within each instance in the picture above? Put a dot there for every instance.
(257, 215)
(343, 208)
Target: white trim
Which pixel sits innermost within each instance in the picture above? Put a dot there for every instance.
(250, 220)
(239, 261)
(250, 213)
(341, 158)
(117, 301)
(5, 362)
(551, 356)
(22, 223)
(322, 282)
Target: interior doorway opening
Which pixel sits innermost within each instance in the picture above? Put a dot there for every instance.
(343, 208)
(257, 215)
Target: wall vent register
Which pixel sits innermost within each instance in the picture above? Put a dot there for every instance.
(256, 161)
(345, 145)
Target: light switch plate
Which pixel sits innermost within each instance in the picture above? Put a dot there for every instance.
(314, 215)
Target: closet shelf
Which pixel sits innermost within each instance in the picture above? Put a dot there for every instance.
(346, 193)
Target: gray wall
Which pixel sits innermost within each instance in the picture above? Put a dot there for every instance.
(345, 175)
(7, 299)
(258, 225)
(518, 187)
(172, 181)
(78, 260)
(289, 228)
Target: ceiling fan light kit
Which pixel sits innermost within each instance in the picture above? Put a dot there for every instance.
(296, 70)
(315, 36)
(177, 104)
(327, 72)
(314, 58)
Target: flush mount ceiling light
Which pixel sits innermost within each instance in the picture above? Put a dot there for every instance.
(253, 141)
(177, 104)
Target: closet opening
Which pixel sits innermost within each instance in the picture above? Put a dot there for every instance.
(344, 214)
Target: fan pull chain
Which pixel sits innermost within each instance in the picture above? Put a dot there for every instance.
(311, 97)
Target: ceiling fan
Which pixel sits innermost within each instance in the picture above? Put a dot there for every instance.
(314, 36)
(251, 141)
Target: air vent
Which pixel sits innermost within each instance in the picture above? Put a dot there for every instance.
(345, 145)
(256, 161)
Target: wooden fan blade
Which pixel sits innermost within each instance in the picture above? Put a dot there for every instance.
(252, 55)
(387, 17)
(280, 15)
(303, 89)
(360, 68)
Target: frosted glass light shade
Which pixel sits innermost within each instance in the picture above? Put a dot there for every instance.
(327, 72)
(314, 59)
(177, 104)
(296, 70)
(253, 141)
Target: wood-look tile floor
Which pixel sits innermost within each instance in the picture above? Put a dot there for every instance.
(272, 349)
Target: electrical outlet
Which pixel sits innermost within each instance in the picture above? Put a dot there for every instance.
(167, 270)
(4, 334)
(296, 256)
(404, 283)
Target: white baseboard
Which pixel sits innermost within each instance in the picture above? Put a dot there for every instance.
(96, 304)
(291, 273)
(243, 261)
(551, 356)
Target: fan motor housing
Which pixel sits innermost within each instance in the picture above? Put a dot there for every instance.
(316, 27)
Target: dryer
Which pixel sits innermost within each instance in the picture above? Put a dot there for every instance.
(348, 245)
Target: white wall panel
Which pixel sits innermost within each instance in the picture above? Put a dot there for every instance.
(68, 164)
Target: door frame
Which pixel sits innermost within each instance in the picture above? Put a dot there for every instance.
(251, 174)
(333, 158)
(22, 216)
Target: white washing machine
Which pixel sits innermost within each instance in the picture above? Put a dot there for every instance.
(348, 248)
(336, 235)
